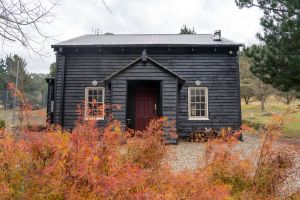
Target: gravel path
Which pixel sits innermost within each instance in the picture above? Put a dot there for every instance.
(187, 155)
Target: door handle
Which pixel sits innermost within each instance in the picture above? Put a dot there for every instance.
(155, 107)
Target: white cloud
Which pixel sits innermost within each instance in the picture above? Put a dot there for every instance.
(77, 17)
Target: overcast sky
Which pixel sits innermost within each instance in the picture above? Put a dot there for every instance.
(77, 17)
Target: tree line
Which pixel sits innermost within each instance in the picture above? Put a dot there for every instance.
(33, 85)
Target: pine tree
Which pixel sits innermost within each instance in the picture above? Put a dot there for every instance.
(277, 61)
(3, 80)
(186, 30)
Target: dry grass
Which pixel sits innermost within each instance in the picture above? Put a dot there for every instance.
(252, 114)
(36, 117)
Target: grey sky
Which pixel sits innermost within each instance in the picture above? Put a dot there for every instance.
(77, 17)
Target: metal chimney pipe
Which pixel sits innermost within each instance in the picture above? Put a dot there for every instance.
(217, 35)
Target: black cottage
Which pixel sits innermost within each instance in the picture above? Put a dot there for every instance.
(190, 78)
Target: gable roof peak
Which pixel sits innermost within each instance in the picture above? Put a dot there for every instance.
(148, 59)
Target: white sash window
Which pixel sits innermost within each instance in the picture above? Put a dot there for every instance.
(198, 103)
(94, 103)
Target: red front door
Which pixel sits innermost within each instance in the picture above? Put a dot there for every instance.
(145, 106)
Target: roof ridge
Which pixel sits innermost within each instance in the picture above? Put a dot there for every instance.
(145, 39)
(118, 34)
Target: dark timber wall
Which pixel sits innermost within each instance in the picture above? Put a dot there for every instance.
(216, 70)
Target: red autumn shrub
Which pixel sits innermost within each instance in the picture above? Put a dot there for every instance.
(93, 163)
(147, 149)
(90, 163)
(268, 173)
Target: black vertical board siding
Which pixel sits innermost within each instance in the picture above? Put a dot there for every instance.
(219, 72)
(62, 88)
(58, 81)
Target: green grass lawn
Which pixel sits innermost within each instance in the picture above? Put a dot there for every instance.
(36, 117)
(251, 114)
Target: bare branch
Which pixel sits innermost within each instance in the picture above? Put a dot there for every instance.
(21, 20)
(107, 7)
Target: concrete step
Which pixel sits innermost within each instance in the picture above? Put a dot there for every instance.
(169, 140)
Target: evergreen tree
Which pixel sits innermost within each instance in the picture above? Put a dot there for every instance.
(32, 85)
(277, 61)
(186, 30)
(53, 70)
(3, 80)
(12, 63)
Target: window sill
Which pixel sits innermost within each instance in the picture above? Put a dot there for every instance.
(97, 119)
(198, 119)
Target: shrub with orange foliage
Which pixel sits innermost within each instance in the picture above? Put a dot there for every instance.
(93, 163)
(269, 173)
(24, 105)
(147, 149)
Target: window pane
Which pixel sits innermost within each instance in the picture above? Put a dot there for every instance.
(203, 92)
(197, 92)
(203, 113)
(197, 113)
(193, 98)
(193, 106)
(198, 106)
(90, 92)
(193, 109)
(193, 112)
(202, 98)
(94, 106)
(197, 98)
(193, 92)
(202, 106)
(99, 99)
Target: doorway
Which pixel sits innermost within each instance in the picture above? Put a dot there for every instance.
(143, 103)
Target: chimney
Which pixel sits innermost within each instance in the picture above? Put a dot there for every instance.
(217, 35)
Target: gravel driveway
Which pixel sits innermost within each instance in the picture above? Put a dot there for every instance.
(187, 155)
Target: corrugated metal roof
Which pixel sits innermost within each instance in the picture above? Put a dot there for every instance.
(146, 39)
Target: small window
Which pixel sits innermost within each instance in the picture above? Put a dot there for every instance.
(198, 103)
(94, 103)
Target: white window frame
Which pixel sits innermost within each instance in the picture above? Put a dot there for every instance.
(86, 117)
(206, 104)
